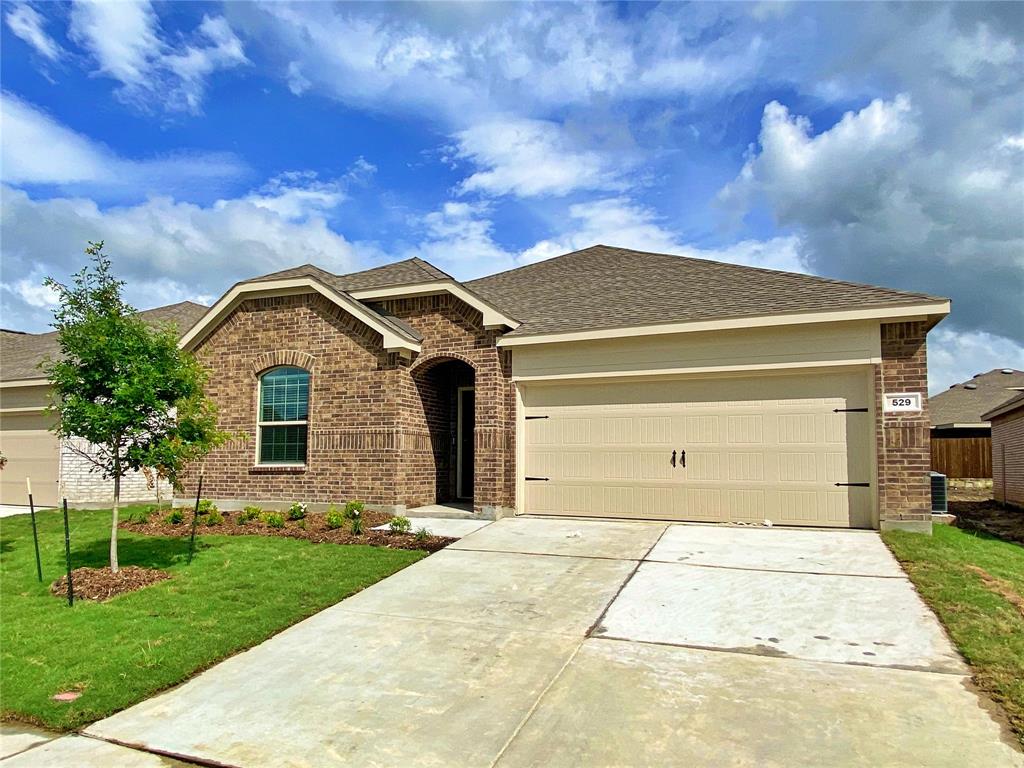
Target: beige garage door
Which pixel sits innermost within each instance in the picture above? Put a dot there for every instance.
(796, 450)
(31, 451)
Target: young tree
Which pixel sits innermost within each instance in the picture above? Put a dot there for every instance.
(124, 386)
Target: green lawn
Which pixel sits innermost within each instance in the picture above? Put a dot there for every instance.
(238, 591)
(975, 583)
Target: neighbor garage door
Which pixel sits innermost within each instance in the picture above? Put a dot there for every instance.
(31, 451)
(795, 450)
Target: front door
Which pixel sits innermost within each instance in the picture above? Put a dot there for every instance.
(464, 441)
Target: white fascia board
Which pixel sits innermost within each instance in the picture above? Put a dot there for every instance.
(25, 383)
(392, 340)
(908, 312)
(493, 317)
(963, 425)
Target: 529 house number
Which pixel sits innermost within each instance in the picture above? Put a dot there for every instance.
(905, 402)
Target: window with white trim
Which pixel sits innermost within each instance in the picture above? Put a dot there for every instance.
(283, 418)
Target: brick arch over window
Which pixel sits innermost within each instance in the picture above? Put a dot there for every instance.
(425, 362)
(278, 357)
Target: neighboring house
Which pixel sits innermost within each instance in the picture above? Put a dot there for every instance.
(961, 436)
(32, 450)
(1008, 451)
(603, 383)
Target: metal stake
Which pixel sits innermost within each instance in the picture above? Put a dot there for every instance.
(195, 519)
(35, 533)
(67, 555)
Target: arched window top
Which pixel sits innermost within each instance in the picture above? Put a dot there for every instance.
(283, 419)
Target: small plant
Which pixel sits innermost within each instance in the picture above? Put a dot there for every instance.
(422, 535)
(206, 507)
(354, 509)
(213, 517)
(273, 519)
(357, 522)
(296, 511)
(335, 518)
(248, 514)
(302, 524)
(139, 516)
(175, 517)
(400, 524)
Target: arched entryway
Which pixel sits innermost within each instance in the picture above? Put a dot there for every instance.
(446, 388)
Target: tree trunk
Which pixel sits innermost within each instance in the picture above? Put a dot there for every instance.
(113, 522)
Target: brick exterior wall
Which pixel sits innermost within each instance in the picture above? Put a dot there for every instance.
(378, 423)
(902, 439)
(84, 485)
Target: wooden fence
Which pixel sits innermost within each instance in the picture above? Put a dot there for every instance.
(962, 456)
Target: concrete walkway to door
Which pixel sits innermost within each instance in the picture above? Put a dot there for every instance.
(538, 642)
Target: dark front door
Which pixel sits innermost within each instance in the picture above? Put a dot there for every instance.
(467, 421)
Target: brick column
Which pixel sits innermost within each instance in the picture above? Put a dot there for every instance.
(903, 439)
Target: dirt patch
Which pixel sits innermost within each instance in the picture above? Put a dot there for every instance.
(103, 584)
(313, 528)
(1002, 588)
(990, 517)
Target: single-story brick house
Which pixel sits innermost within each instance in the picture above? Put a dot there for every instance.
(1008, 451)
(603, 383)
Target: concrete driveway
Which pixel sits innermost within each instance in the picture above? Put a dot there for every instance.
(539, 642)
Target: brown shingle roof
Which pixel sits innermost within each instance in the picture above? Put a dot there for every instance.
(969, 401)
(397, 273)
(605, 287)
(22, 353)
(1013, 404)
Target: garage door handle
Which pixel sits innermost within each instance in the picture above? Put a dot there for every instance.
(682, 459)
(673, 458)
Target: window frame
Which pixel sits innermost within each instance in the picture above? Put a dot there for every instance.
(261, 423)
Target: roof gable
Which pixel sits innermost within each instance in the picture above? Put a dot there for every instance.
(969, 401)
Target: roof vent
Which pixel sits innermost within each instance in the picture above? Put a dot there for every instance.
(970, 386)
(1007, 370)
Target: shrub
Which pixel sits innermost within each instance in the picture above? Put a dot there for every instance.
(248, 514)
(357, 522)
(273, 519)
(422, 535)
(354, 509)
(206, 507)
(302, 524)
(139, 516)
(400, 524)
(335, 519)
(296, 511)
(175, 517)
(213, 517)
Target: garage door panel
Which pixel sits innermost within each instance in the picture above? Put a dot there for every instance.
(32, 451)
(747, 459)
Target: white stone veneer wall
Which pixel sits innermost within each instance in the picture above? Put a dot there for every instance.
(84, 486)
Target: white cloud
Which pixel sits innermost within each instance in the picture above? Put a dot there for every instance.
(25, 22)
(528, 158)
(458, 238)
(125, 39)
(954, 357)
(36, 149)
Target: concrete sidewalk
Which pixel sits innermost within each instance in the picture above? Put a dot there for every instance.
(536, 642)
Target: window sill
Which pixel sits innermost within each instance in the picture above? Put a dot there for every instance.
(277, 469)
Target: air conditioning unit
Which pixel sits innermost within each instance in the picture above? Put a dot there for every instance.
(939, 493)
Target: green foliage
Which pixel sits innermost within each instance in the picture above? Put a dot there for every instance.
(139, 516)
(400, 524)
(296, 511)
(248, 514)
(354, 509)
(334, 518)
(237, 593)
(422, 535)
(213, 517)
(206, 507)
(124, 386)
(175, 517)
(273, 519)
(302, 525)
(357, 522)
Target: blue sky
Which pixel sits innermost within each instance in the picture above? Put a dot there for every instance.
(207, 143)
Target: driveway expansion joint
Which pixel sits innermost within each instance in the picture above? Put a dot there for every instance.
(902, 577)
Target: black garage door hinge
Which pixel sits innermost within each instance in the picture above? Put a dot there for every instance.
(537, 417)
(849, 410)
(538, 478)
(856, 485)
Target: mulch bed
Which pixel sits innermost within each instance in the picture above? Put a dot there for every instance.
(314, 529)
(991, 517)
(103, 584)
